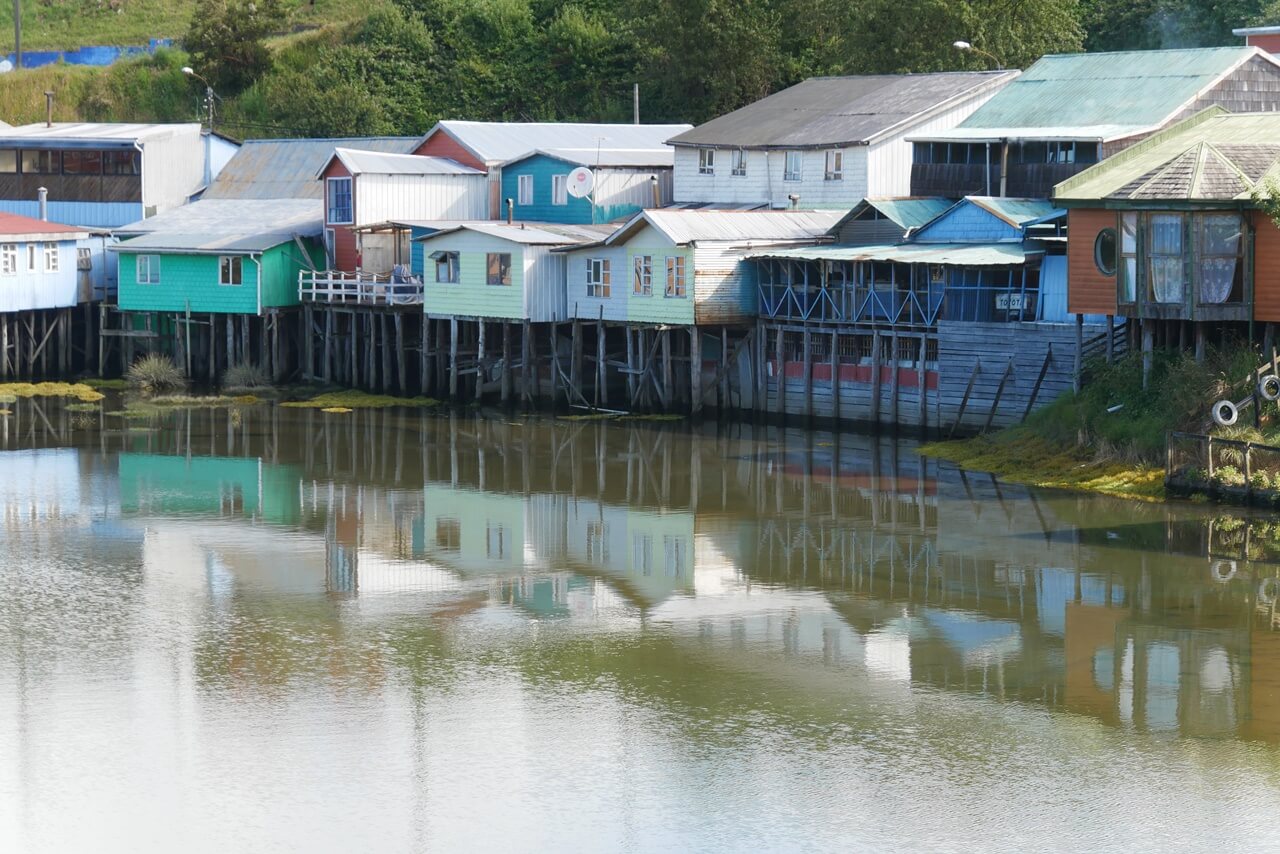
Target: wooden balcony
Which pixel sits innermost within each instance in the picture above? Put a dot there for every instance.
(335, 287)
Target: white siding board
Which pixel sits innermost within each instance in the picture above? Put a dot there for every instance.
(544, 284)
(379, 198)
(26, 291)
(172, 168)
(765, 179)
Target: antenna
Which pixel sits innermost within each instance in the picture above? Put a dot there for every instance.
(581, 182)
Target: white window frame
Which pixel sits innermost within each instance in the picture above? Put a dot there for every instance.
(51, 257)
(598, 278)
(642, 276)
(329, 184)
(524, 189)
(559, 190)
(677, 282)
(8, 259)
(151, 263)
(835, 165)
(33, 258)
(706, 161)
(789, 174)
(227, 265)
(739, 162)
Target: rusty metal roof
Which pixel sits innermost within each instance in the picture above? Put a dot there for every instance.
(286, 168)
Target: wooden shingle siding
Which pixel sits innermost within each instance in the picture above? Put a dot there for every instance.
(188, 281)
(1266, 269)
(1254, 87)
(1088, 290)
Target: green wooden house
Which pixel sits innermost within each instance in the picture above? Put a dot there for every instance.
(220, 256)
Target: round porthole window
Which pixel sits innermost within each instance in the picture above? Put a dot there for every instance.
(1104, 251)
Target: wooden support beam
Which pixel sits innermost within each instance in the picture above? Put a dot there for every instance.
(402, 381)
(875, 377)
(453, 357)
(1035, 390)
(725, 383)
(480, 372)
(575, 365)
(602, 385)
(1077, 376)
(424, 357)
(894, 379)
(631, 366)
(922, 382)
(964, 400)
(780, 356)
(695, 371)
(506, 363)
(995, 404)
(834, 359)
(528, 370)
(807, 363)
(1148, 345)
(667, 372)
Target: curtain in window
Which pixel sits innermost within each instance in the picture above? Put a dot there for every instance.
(1168, 273)
(1220, 242)
(1128, 257)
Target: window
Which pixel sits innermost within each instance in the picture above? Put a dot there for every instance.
(33, 252)
(8, 160)
(449, 534)
(40, 162)
(8, 259)
(230, 270)
(498, 268)
(597, 543)
(339, 198)
(835, 166)
(739, 162)
(677, 554)
(1221, 270)
(82, 162)
(446, 267)
(642, 553)
(706, 161)
(598, 277)
(559, 189)
(148, 269)
(1104, 252)
(1168, 269)
(791, 172)
(524, 190)
(675, 276)
(1127, 285)
(642, 284)
(330, 247)
(51, 257)
(84, 259)
(122, 163)
(495, 539)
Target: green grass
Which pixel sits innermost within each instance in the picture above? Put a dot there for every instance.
(344, 400)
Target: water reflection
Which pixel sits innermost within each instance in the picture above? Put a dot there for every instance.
(816, 587)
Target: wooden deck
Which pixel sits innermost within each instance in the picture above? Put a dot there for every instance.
(335, 287)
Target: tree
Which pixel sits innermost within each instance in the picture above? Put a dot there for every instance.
(226, 40)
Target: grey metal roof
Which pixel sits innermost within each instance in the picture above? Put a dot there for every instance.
(541, 233)
(684, 226)
(225, 226)
(384, 163)
(286, 168)
(498, 142)
(639, 158)
(971, 254)
(107, 132)
(830, 111)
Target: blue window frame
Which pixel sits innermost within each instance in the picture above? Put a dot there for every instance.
(338, 196)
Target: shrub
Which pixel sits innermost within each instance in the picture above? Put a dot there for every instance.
(1229, 476)
(1260, 480)
(155, 373)
(246, 375)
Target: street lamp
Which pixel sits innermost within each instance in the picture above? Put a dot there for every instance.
(963, 45)
(208, 92)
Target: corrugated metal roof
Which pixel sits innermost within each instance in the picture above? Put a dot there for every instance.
(638, 158)
(827, 111)
(1018, 213)
(16, 224)
(226, 225)
(683, 226)
(1190, 161)
(498, 142)
(970, 254)
(533, 234)
(286, 168)
(85, 131)
(1098, 96)
(907, 213)
(384, 163)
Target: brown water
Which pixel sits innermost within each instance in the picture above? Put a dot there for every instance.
(287, 631)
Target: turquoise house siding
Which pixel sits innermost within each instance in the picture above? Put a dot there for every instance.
(967, 223)
(542, 168)
(206, 486)
(417, 255)
(96, 214)
(470, 296)
(191, 282)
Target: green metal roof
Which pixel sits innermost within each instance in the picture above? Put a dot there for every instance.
(1099, 96)
(969, 254)
(911, 213)
(1214, 156)
(1019, 213)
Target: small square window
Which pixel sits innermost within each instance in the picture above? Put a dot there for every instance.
(446, 267)
(598, 278)
(148, 269)
(230, 270)
(498, 268)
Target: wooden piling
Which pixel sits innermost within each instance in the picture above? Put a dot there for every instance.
(506, 363)
(453, 357)
(835, 376)
(480, 359)
(602, 388)
(528, 373)
(780, 356)
(667, 372)
(695, 371)
(875, 377)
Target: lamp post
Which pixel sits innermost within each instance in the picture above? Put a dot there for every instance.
(966, 46)
(208, 92)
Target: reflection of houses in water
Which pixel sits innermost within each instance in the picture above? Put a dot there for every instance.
(170, 485)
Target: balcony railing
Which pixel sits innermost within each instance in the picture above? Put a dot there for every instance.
(335, 287)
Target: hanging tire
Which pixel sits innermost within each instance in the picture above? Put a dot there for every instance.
(1225, 413)
(1269, 387)
(1223, 570)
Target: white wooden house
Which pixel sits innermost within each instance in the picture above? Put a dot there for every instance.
(39, 264)
(825, 142)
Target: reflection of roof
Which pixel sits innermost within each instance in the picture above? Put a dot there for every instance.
(1099, 96)
(385, 163)
(687, 226)
(1214, 155)
(619, 157)
(498, 142)
(970, 254)
(824, 111)
(539, 234)
(225, 225)
(286, 168)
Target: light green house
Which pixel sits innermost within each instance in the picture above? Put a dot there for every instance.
(500, 271)
(168, 485)
(221, 256)
(682, 267)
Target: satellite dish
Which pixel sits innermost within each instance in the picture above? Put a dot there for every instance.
(581, 181)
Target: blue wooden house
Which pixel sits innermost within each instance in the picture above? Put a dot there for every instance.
(539, 186)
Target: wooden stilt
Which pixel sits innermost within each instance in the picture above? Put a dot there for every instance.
(631, 365)
(1111, 346)
(807, 361)
(780, 357)
(726, 382)
(506, 363)
(480, 369)
(602, 388)
(835, 376)
(402, 384)
(528, 371)
(453, 357)
(894, 383)
(922, 388)
(1077, 378)
(667, 372)
(1201, 346)
(575, 366)
(875, 377)
(695, 371)
(424, 357)
(387, 343)
(1148, 344)
(556, 380)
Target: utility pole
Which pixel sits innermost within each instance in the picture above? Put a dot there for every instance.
(17, 33)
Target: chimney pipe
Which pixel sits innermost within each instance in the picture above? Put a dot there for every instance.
(794, 198)
(48, 109)
(43, 195)
(635, 103)
(657, 191)
(511, 207)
